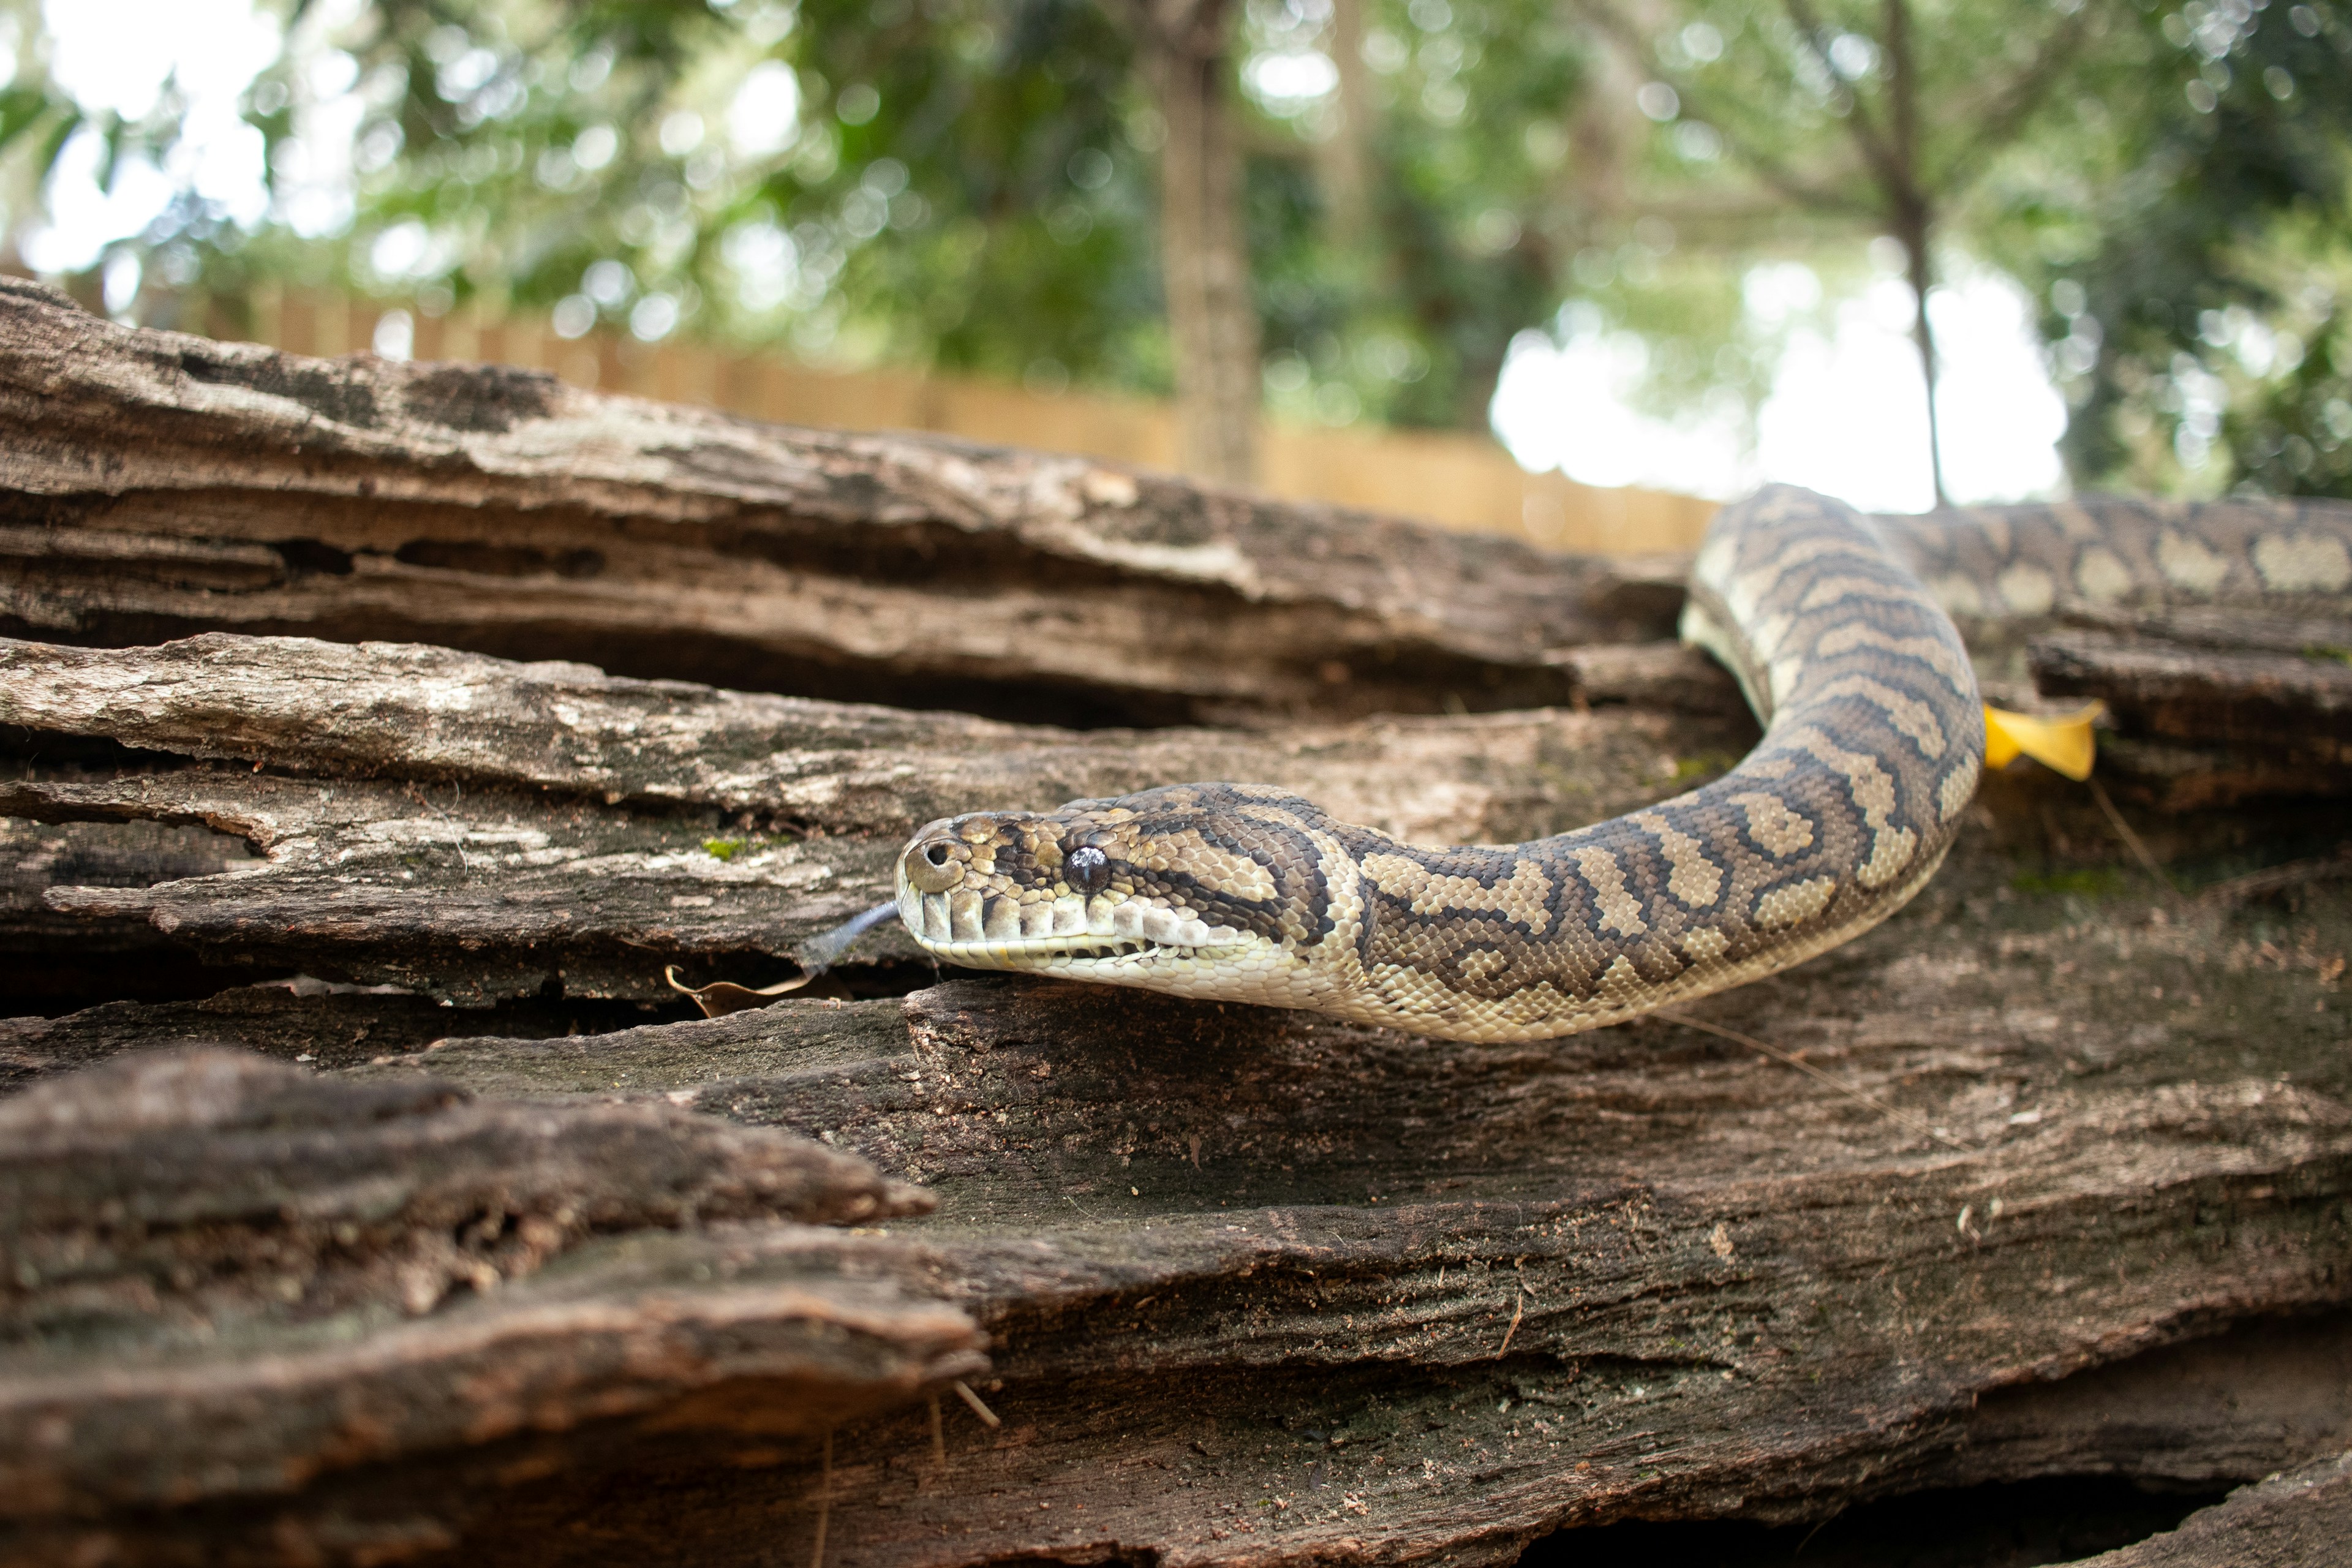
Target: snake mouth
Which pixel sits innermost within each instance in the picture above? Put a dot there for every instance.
(1056, 952)
(969, 927)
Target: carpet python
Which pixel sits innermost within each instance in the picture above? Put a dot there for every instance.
(1839, 628)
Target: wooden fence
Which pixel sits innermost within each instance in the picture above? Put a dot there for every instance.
(1455, 479)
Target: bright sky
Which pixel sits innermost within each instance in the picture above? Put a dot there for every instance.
(1844, 414)
(117, 56)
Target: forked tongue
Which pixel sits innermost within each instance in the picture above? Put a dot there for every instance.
(816, 955)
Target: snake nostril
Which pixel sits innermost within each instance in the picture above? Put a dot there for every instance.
(934, 866)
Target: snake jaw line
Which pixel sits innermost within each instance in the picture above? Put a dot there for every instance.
(1066, 958)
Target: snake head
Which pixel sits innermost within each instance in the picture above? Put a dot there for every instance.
(1205, 890)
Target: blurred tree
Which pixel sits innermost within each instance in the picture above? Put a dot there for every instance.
(2171, 181)
(964, 184)
(978, 184)
(972, 183)
(2193, 247)
(1878, 115)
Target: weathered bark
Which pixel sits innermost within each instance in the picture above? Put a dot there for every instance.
(2303, 1516)
(2210, 725)
(2268, 699)
(53, 958)
(301, 1020)
(178, 1165)
(157, 485)
(242, 1274)
(478, 830)
(562, 1275)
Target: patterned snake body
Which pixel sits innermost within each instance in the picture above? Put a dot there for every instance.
(1874, 741)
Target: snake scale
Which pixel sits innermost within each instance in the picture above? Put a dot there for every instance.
(1839, 628)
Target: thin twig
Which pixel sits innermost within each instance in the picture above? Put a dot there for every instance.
(1998, 114)
(1518, 1310)
(421, 798)
(1885, 158)
(1835, 1082)
(2131, 841)
(2275, 878)
(823, 1502)
(1822, 195)
(987, 1415)
(1808, 1540)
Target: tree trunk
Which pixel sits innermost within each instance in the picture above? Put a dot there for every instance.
(1348, 155)
(1911, 228)
(1603, 136)
(367, 1194)
(1212, 321)
(1912, 217)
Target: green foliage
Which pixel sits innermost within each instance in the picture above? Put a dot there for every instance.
(21, 108)
(967, 183)
(2172, 182)
(1702, 767)
(1461, 255)
(2078, 882)
(2185, 217)
(1796, 131)
(970, 184)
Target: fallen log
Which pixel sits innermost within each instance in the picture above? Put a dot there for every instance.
(2046, 1177)
(2052, 1091)
(240, 1270)
(159, 485)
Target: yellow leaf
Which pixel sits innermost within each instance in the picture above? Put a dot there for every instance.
(2062, 742)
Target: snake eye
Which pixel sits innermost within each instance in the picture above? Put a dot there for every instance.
(936, 866)
(1087, 869)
